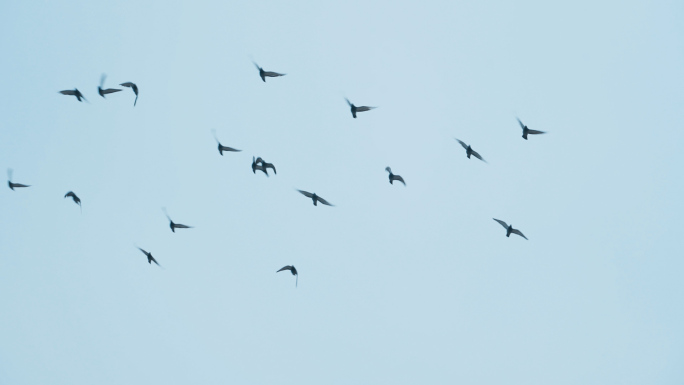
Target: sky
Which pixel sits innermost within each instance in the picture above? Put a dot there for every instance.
(397, 284)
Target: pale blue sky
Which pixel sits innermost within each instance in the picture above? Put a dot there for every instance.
(397, 285)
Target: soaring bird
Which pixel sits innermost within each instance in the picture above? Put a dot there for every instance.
(393, 177)
(13, 185)
(75, 92)
(150, 258)
(104, 92)
(470, 151)
(221, 147)
(509, 228)
(76, 199)
(265, 165)
(135, 90)
(315, 198)
(293, 271)
(355, 109)
(265, 74)
(528, 131)
(257, 166)
(174, 225)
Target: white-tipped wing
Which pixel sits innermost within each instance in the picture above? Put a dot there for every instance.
(515, 231)
(306, 193)
(462, 144)
(502, 223)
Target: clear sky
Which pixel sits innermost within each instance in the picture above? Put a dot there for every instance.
(397, 285)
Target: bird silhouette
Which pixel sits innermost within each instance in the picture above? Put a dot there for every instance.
(528, 131)
(315, 198)
(292, 270)
(221, 147)
(355, 109)
(13, 185)
(174, 225)
(265, 165)
(150, 258)
(135, 90)
(76, 199)
(265, 74)
(75, 92)
(256, 166)
(103, 91)
(393, 177)
(470, 151)
(509, 228)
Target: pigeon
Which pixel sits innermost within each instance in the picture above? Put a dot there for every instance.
(13, 185)
(104, 92)
(150, 258)
(470, 151)
(293, 271)
(221, 147)
(173, 225)
(528, 131)
(265, 165)
(315, 198)
(265, 74)
(75, 92)
(355, 109)
(509, 228)
(256, 166)
(135, 90)
(76, 199)
(393, 177)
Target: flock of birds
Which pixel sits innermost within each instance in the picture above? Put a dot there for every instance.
(258, 164)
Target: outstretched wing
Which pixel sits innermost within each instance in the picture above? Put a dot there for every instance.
(127, 84)
(179, 226)
(535, 132)
(154, 260)
(167, 215)
(70, 194)
(502, 223)
(348, 102)
(478, 156)
(400, 179)
(272, 74)
(68, 92)
(462, 144)
(288, 267)
(224, 148)
(514, 231)
(306, 193)
(144, 252)
(521, 124)
(364, 108)
(110, 91)
(324, 201)
(256, 65)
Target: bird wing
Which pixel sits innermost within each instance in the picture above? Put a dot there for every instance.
(167, 214)
(272, 74)
(535, 131)
(348, 102)
(521, 124)
(502, 223)
(256, 65)
(127, 84)
(400, 179)
(324, 201)
(270, 165)
(70, 194)
(68, 92)
(388, 169)
(364, 108)
(224, 148)
(179, 226)
(462, 144)
(20, 185)
(144, 252)
(478, 156)
(288, 267)
(306, 193)
(154, 260)
(110, 91)
(515, 231)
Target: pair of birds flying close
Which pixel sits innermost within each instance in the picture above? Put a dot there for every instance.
(103, 91)
(262, 165)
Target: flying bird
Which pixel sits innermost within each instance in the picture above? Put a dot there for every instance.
(103, 91)
(150, 258)
(135, 90)
(76, 199)
(528, 131)
(355, 109)
(293, 271)
(509, 228)
(256, 166)
(265, 74)
(13, 185)
(174, 225)
(470, 151)
(393, 177)
(266, 166)
(221, 147)
(315, 198)
(75, 92)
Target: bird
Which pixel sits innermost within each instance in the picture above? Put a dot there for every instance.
(355, 109)
(174, 225)
(509, 228)
(135, 90)
(393, 177)
(76, 199)
(265, 165)
(221, 147)
(470, 151)
(13, 185)
(75, 92)
(150, 258)
(256, 166)
(265, 74)
(528, 131)
(315, 198)
(104, 92)
(292, 270)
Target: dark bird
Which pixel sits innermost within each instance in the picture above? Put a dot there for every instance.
(509, 228)
(135, 90)
(256, 166)
(315, 198)
(528, 131)
(265, 165)
(355, 109)
(470, 151)
(173, 225)
(393, 177)
(75, 92)
(293, 271)
(221, 147)
(150, 258)
(13, 185)
(76, 199)
(103, 91)
(265, 74)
